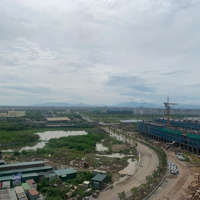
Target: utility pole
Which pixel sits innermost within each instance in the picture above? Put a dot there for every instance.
(167, 106)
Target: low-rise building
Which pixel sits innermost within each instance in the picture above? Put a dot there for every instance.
(65, 174)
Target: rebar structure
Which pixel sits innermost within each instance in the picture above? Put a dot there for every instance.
(167, 106)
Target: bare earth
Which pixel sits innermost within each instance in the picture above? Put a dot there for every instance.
(149, 162)
(173, 188)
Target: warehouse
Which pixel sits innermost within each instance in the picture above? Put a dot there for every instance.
(24, 171)
(57, 121)
(21, 165)
(65, 174)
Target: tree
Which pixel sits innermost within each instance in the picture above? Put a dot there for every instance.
(142, 188)
(155, 174)
(122, 195)
(135, 192)
(149, 180)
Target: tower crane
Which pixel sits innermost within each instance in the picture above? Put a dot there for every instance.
(167, 106)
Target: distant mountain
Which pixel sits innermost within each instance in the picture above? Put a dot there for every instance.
(122, 105)
(63, 104)
(187, 106)
(128, 104)
(137, 105)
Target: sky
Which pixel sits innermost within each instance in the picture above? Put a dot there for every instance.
(99, 52)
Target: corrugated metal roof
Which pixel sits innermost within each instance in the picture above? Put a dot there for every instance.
(26, 170)
(26, 186)
(61, 172)
(6, 178)
(29, 175)
(21, 164)
(99, 177)
(50, 175)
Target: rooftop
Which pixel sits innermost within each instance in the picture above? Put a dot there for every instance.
(30, 181)
(6, 178)
(19, 189)
(21, 164)
(29, 175)
(25, 186)
(99, 177)
(53, 119)
(33, 191)
(61, 172)
(26, 170)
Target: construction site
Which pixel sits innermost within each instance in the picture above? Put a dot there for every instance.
(182, 133)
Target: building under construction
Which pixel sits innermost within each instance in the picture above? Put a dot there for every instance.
(180, 133)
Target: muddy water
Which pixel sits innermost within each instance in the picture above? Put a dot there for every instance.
(46, 136)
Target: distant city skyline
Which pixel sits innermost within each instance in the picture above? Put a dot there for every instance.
(99, 52)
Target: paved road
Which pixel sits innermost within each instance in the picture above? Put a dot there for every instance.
(149, 162)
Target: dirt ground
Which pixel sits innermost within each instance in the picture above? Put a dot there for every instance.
(118, 147)
(174, 186)
(149, 162)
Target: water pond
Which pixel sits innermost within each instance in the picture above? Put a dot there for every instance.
(46, 136)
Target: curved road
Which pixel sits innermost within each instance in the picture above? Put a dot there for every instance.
(174, 186)
(149, 162)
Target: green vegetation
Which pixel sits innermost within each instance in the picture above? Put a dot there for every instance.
(79, 143)
(81, 177)
(12, 139)
(17, 138)
(54, 190)
(122, 195)
(14, 124)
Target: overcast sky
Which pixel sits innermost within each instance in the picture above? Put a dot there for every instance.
(99, 52)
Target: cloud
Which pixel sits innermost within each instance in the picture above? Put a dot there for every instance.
(106, 51)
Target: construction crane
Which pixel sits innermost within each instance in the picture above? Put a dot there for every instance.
(167, 106)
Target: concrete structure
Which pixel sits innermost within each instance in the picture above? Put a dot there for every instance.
(20, 193)
(3, 114)
(16, 113)
(186, 139)
(8, 194)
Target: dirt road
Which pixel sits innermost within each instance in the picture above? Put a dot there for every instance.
(174, 185)
(149, 162)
